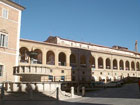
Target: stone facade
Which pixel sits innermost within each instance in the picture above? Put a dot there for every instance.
(58, 59)
(10, 19)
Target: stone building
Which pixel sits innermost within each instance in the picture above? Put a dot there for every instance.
(10, 22)
(58, 59)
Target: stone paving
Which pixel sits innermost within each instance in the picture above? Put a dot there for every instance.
(127, 95)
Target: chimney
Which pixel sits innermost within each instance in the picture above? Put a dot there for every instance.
(136, 46)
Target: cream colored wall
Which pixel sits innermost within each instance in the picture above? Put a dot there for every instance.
(8, 55)
(79, 70)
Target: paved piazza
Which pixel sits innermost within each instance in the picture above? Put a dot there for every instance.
(126, 95)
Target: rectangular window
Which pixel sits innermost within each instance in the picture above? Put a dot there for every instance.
(1, 70)
(51, 77)
(62, 78)
(3, 40)
(5, 13)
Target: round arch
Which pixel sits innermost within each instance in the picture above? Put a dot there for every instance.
(62, 59)
(50, 58)
(115, 64)
(121, 64)
(100, 63)
(108, 63)
(24, 54)
(127, 65)
(37, 58)
(132, 66)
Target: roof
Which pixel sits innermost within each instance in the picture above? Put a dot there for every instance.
(55, 44)
(125, 49)
(13, 4)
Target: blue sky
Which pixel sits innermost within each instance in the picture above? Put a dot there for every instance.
(103, 22)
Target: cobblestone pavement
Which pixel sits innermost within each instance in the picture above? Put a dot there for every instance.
(126, 95)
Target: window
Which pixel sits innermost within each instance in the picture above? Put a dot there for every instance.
(5, 13)
(51, 77)
(1, 69)
(62, 71)
(3, 40)
(62, 78)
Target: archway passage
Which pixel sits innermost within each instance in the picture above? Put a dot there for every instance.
(50, 58)
(127, 65)
(82, 61)
(115, 64)
(72, 60)
(138, 66)
(62, 59)
(132, 66)
(100, 63)
(37, 57)
(108, 63)
(24, 55)
(121, 65)
(92, 62)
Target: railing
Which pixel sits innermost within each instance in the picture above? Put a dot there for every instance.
(32, 70)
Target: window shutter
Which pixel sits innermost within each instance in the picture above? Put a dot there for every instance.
(6, 41)
(0, 39)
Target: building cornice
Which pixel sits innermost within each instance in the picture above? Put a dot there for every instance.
(103, 52)
(13, 4)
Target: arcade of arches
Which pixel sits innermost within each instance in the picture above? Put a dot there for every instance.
(77, 65)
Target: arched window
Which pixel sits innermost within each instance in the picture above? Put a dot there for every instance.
(100, 63)
(108, 63)
(50, 58)
(24, 55)
(127, 65)
(82, 61)
(92, 62)
(115, 64)
(37, 57)
(132, 66)
(138, 66)
(72, 60)
(62, 59)
(121, 65)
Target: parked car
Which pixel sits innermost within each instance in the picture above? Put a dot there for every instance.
(99, 84)
(113, 84)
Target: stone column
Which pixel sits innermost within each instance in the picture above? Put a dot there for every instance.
(135, 65)
(130, 66)
(96, 62)
(104, 63)
(56, 58)
(44, 57)
(124, 65)
(67, 59)
(118, 64)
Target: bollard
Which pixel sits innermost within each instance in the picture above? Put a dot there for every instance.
(72, 92)
(83, 91)
(78, 90)
(57, 93)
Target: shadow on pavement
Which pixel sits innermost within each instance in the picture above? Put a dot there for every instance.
(130, 91)
(18, 98)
